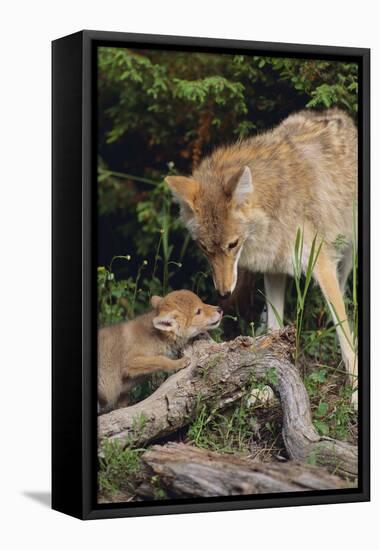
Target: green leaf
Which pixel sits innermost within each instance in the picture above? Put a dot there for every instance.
(319, 376)
(321, 427)
(322, 409)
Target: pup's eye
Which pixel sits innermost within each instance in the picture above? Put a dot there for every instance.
(198, 311)
(233, 244)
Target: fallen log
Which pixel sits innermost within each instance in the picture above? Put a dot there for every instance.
(181, 470)
(218, 375)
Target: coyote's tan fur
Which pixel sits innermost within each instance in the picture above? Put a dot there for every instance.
(152, 342)
(245, 203)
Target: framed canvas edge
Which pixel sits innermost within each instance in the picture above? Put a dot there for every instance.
(194, 42)
(66, 425)
(91, 510)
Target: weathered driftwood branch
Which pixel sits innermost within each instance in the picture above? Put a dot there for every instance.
(218, 375)
(185, 471)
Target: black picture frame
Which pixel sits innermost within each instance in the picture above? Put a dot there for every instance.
(74, 402)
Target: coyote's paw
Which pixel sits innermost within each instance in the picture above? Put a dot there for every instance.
(182, 363)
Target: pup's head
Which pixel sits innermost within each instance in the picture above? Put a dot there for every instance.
(214, 207)
(184, 315)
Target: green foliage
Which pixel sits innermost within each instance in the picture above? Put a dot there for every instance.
(121, 300)
(173, 91)
(118, 467)
(335, 420)
(226, 433)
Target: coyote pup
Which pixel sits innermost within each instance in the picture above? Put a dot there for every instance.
(245, 203)
(152, 342)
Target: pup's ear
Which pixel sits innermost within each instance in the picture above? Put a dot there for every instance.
(165, 322)
(184, 189)
(240, 186)
(155, 301)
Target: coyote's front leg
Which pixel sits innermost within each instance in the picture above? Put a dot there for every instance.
(275, 285)
(144, 365)
(325, 273)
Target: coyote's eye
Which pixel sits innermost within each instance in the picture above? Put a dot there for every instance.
(233, 244)
(198, 311)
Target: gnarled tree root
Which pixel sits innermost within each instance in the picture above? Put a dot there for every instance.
(218, 375)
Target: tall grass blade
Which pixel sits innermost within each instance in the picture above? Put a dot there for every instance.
(278, 318)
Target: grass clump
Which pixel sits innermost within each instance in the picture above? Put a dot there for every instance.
(118, 468)
(240, 429)
(225, 433)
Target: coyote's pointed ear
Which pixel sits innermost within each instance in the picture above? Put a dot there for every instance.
(184, 189)
(155, 301)
(166, 322)
(240, 186)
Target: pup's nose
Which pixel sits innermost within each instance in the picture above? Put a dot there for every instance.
(219, 310)
(224, 295)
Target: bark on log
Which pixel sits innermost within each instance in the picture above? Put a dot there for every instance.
(186, 471)
(218, 375)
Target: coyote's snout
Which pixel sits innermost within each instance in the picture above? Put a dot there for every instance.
(223, 257)
(245, 203)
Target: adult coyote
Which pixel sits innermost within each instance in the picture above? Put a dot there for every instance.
(245, 203)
